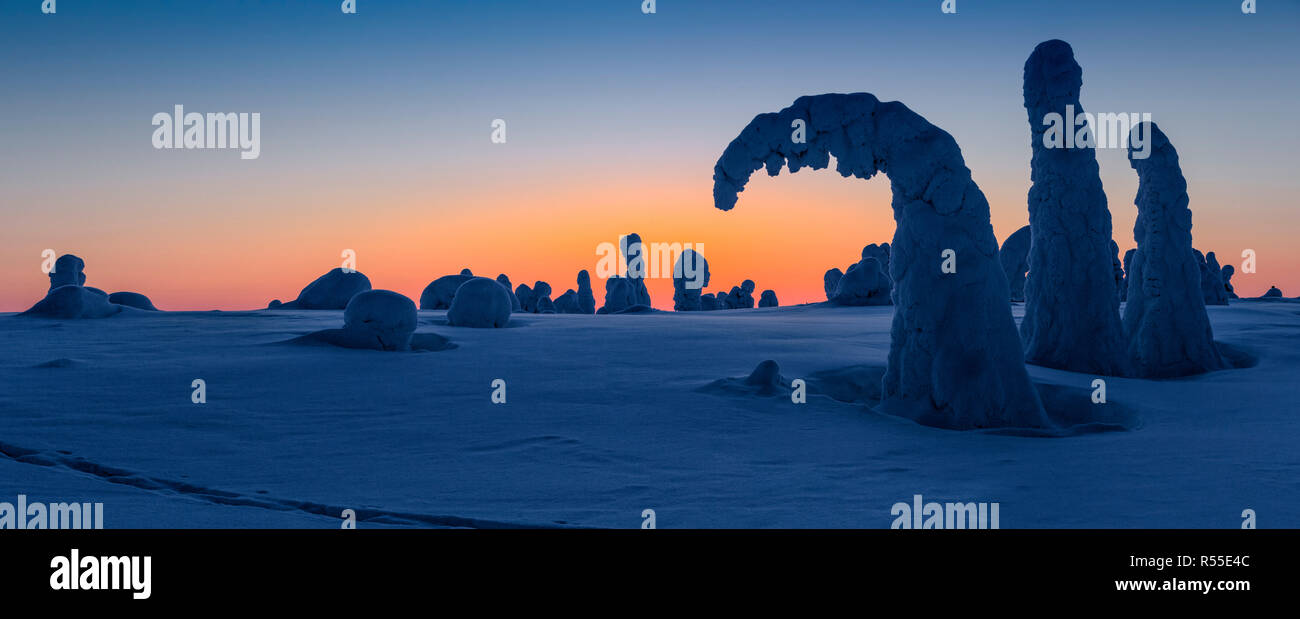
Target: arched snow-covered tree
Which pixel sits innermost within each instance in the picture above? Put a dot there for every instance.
(955, 359)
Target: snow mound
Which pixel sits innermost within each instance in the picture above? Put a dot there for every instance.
(619, 295)
(377, 320)
(857, 384)
(1237, 357)
(527, 300)
(440, 292)
(638, 309)
(831, 282)
(865, 283)
(766, 376)
(514, 300)
(60, 363)
(955, 357)
(764, 381)
(480, 303)
(580, 301)
(132, 299)
(382, 315)
(879, 252)
(331, 291)
(429, 342)
(567, 303)
(70, 302)
(541, 302)
(745, 298)
(733, 298)
(739, 297)
(870, 287)
(1072, 410)
(69, 298)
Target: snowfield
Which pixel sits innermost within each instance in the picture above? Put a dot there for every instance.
(607, 416)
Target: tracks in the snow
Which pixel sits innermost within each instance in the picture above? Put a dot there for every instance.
(63, 460)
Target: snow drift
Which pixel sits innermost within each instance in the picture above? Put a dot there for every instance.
(831, 282)
(132, 299)
(72, 301)
(480, 302)
(514, 300)
(377, 320)
(440, 292)
(332, 290)
(865, 283)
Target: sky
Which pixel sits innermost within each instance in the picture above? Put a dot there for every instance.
(376, 133)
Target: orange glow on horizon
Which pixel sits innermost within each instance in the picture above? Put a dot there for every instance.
(784, 234)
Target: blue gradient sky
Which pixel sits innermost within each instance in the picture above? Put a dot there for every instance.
(375, 131)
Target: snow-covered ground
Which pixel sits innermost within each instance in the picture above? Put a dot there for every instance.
(606, 416)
